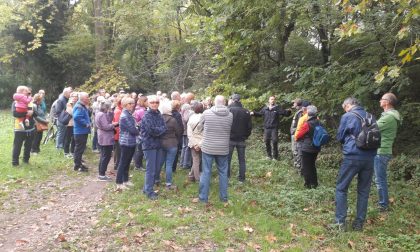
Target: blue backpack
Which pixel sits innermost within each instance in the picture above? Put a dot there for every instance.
(320, 137)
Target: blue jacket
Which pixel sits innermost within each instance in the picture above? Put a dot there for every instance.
(81, 119)
(349, 128)
(152, 129)
(128, 129)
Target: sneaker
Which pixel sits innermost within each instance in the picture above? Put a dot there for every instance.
(34, 153)
(157, 183)
(268, 158)
(96, 151)
(121, 187)
(383, 209)
(128, 184)
(104, 178)
(171, 187)
(139, 168)
(357, 226)
(153, 196)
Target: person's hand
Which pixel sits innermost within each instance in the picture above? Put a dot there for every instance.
(251, 113)
(30, 113)
(115, 124)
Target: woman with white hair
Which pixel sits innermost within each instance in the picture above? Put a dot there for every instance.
(103, 120)
(169, 143)
(152, 128)
(128, 135)
(308, 150)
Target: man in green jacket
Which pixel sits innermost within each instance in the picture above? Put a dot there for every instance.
(388, 124)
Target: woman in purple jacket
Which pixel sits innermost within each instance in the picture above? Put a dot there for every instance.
(103, 120)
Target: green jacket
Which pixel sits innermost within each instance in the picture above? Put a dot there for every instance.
(388, 125)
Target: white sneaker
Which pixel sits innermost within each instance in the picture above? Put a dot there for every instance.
(121, 187)
(128, 184)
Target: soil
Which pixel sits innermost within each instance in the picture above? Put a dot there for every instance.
(43, 217)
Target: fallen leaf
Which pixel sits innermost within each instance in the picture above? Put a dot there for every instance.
(195, 200)
(306, 209)
(391, 200)
(61, 238)
(268, 174)
(21, 242)
(351, 244)
(248, 229)
(271, 238)
(131, 215)
(168, 215)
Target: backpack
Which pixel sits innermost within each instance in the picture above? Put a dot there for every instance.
(320, 136)
(64, 117)
(369, 137)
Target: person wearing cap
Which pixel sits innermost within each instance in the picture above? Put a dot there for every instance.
(271, 113)
(301, 117)
(240, 131)
(297, 104)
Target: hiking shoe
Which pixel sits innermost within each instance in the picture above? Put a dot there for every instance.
(104, 178)
(153, 196)
(338, 227)
(357, 226)
(121, 187)
(171, 187)
(383, 209)
(96, 151)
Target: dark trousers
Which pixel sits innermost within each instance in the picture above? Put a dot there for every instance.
(37, 141)
(186, 159)
(240, 148)
(69, 140)
(80, 146)
(271, 137)
(309, 169)
(138, 156)
(117, 154)
(127, 153)
(95, 144)
(177, 155)
(20, 138)
(106, 153)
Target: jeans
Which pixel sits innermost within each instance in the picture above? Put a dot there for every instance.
(380, 166)
(106, 153)
(309, 169)
(127, 153)
(168, 158)
(240, 148)
(80, 141)
(222, 167)
(153, 160)
(21, 137)
(69, 140)
(138, 156)
(186, 159)
(350, 168)
(61, 131)
(36, 143)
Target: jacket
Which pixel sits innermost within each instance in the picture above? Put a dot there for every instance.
(39, 114)
(17, 115)
(272, 116)
(295, 121)
(306, 134)
(69, 109)
(217, 123)
(151, 129)
(105, 128)
(81, 119)
(350, 127)
(173, 132)
(242, 124)
(128, 129)
(139, 113)
(195, 131)
(60, 105)
(117, 114)
(185, 115)
(388, 125)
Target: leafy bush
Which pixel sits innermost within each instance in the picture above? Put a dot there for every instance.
(404, 167)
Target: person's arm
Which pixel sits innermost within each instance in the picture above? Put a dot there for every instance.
(342, 129)
(249, 125)
(302, 132)
(80, 117)
(102, 122)
(258, 113)
(284, 112)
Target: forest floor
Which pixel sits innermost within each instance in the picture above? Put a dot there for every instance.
(46, 206)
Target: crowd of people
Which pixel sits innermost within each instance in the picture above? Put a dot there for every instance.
(164, 131)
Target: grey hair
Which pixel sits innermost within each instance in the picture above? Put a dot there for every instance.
(82, 94)
(126, 100)
(219, 100)
(166, 108)
(311, 110)
(351, 101)
(105, 106)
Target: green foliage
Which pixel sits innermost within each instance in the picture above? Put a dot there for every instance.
(108, 77)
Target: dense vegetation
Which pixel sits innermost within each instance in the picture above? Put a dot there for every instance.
(320, 50)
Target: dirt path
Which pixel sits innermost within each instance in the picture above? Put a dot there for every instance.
(42, 217)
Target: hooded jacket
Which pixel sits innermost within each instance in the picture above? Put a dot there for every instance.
(173, 133)
(388, 125)
(152, 128)
(350, 127)
(81, 119)
(242, 124)
(217, 123)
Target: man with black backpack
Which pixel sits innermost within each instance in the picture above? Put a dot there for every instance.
(356, 126)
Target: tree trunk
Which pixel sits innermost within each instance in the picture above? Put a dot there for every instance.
(99, 33)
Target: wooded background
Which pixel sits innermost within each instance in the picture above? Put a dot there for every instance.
(322, 50)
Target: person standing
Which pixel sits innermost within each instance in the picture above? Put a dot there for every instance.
(138, 115)
(81, 130)
(151, 130)
(297, 104)
(23, 135)
(117, 113)
(103, 119)
(185, 113)
(308, 151)
(388, 124)
(241, 130)
(60, 107)
(69, 137)
(39, 118)
(356, 161)
(271, 113)
(195, 138)
(127, 140)
(217, 123)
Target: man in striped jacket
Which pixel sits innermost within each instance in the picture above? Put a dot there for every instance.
(217, 123)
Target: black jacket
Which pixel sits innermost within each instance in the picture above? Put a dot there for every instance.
(272, 116)
(242, 124)
(61, 105)
(306, 143)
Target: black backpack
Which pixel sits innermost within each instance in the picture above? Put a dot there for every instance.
(369, 137)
